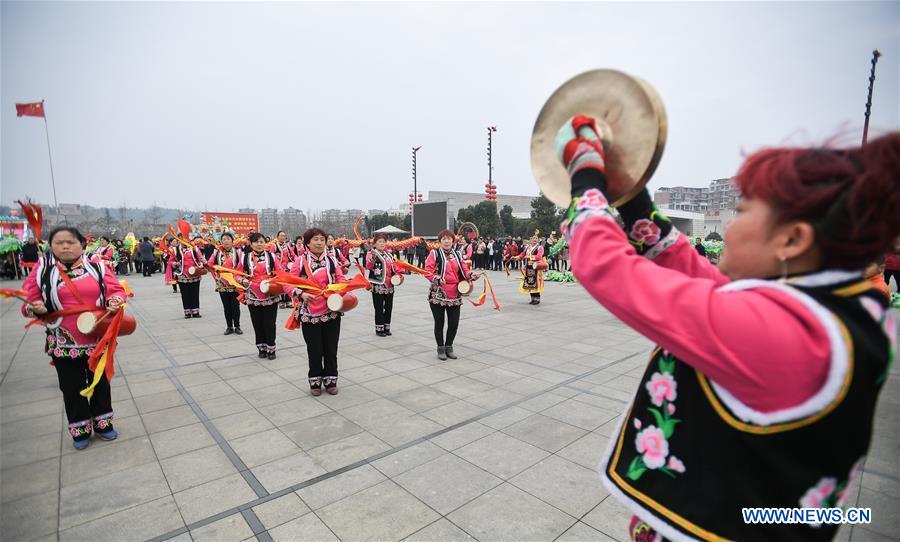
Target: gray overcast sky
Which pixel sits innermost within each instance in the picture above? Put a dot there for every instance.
(218, 106)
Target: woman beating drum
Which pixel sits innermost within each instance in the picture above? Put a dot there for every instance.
(763, 388)
(383, 275)
(260, 266)
(228, 256)
(66, 278)
(189, 268)
(450, 276)
(319, 320)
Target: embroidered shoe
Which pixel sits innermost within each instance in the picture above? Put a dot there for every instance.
(263, 354)
(387, 332)
(271, 355)
(110, 434)
(81, 444)
(449, 351)
(331, 386)
(315, 387)
(442, 353)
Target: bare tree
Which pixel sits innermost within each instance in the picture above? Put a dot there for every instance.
(152, 216)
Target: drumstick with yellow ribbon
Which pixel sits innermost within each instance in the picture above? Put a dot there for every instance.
(488, 287)
(102, 359)
(9, 293)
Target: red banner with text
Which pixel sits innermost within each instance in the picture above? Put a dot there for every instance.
(240, 223)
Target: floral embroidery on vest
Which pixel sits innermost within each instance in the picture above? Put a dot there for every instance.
(652, 442)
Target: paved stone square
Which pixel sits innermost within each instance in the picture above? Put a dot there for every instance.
(216, 444)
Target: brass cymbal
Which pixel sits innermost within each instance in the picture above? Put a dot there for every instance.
(631, 117)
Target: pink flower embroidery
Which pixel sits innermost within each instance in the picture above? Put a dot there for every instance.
(671, 409)
(662, 386)
(637, 424)
(58, 352)
(645, 231)
(675, 464)
(855, 473)
(73, 353)
(592, 199)
(815, 496)
(653, 444)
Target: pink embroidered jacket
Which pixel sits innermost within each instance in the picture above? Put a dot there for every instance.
(388, 264)
(260, 268)
(450, 273)
(66, 335)
(284, 253)
(763, 345)
(536, 253)
(322, 276)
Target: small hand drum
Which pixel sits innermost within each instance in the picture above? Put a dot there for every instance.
(465, 287)
(342, 303)
(96, 323)
(270, 288)
(396, 280)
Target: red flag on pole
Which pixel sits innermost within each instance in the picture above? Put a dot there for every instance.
(35, 109)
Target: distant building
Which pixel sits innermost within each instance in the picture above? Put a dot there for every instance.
(293, 222)
(723, 194)
(521, 205)
(683, 198)
(268, 221)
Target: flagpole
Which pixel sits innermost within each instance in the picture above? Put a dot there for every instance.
(50, 155)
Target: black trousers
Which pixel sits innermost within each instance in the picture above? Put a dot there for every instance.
(383, 303)
(232, 308)
(422, 261)
(438, 311)
(74, 376)
(190, 297)
(321, 347)
(263, 318)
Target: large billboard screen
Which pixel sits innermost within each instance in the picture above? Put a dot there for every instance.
(240, 223)
(429, 218)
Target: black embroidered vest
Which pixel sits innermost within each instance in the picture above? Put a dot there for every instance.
(689, 456)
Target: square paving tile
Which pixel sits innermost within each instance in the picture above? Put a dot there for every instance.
(180, 440)
(545, 433)
(261, 448)
(287, 471)
(307, 528)
(242, 424)
(142, 522)
(195, 468)
(281, 510)
(348, 450)
(447, 482)
(102, 495)
(318, 430)
(213, 497)
(508, 513)
(441, 530)
(501, 455)
(339, 487)
(570, 487)
(231, 529)
(381, 512)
